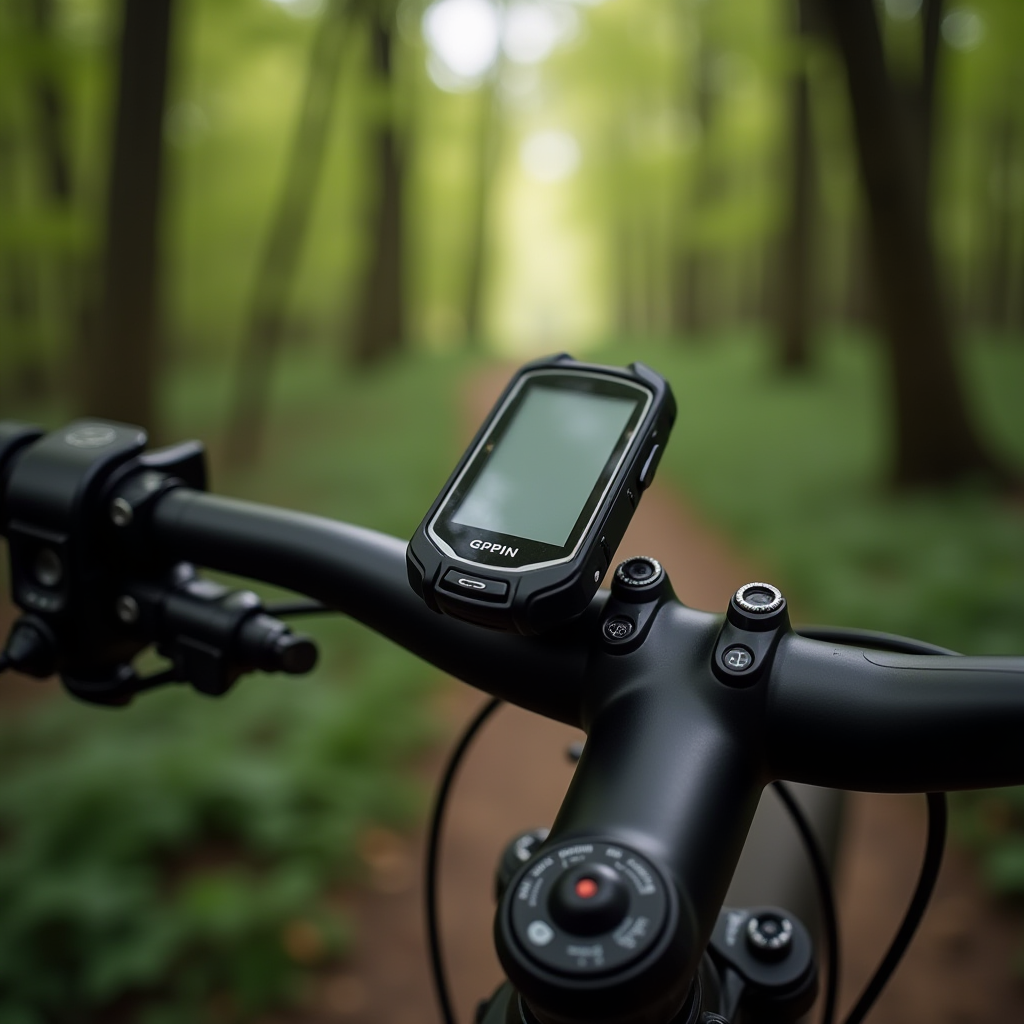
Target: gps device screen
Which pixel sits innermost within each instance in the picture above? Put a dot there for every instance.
(525, 528)
(540, 474)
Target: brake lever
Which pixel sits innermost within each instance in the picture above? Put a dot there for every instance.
(210, 634)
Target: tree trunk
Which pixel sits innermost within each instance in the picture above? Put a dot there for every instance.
(22, 367)
(935, 441)
(796, 305)
(931, 27)
(486, 160)
(119, 374)
(267, 315)
(50, 115)
(1000, 221)
(796, 286)
(692, 270)
(380, 321)
(52, 145)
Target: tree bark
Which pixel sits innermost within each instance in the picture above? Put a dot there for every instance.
(690, 307)
(22, 368)
(380, 321)
(1000, 220)
(796, 287)
(486, 161)
(267, 315)
(931, 30)
(797, 282)
(50, 121)
(119, 373)
(935, 440)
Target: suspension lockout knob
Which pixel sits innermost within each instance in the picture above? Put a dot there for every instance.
(591, 929)
(589, 900)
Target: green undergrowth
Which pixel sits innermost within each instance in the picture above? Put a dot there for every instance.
(794, 470)
(157, 862)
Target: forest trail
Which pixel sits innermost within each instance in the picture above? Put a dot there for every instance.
(957, 971)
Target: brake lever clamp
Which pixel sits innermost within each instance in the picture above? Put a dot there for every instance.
(75, 512)
(211, 634)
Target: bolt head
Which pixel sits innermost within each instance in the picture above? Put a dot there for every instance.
(121, 513)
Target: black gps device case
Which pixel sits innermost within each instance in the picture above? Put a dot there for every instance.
(511, 582)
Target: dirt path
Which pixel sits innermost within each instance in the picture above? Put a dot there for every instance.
(956, 972)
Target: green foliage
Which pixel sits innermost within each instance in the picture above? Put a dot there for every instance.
(992, 824)
(155, 859)
(159, 854)
(794, 469)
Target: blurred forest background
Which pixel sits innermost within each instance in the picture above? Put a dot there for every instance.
(297, 228)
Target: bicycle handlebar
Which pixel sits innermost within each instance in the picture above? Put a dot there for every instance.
(828, 715)
(883, 722)
(362, 573)
(675, 760)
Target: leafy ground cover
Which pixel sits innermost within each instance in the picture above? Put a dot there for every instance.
(794, 468)
(169, 861)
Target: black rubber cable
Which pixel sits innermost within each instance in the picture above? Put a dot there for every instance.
(433, 850)
(937, 815)
(5, 662)
(826, 895)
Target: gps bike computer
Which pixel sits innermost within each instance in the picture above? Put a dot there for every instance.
(526, 526)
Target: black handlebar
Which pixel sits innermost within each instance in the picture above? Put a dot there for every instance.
(363, 574)
(883, 722)
(828, 715)
(675, 760)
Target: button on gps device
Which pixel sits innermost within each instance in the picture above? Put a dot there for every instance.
(487, 590)
(526, 526)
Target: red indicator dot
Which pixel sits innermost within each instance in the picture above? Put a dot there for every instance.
(585, 888)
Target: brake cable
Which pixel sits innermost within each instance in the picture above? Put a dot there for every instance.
(433, 847)
(826, 895)
(937, 814)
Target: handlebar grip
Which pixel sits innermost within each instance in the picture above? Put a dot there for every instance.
(883, 722)
(363, 574)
